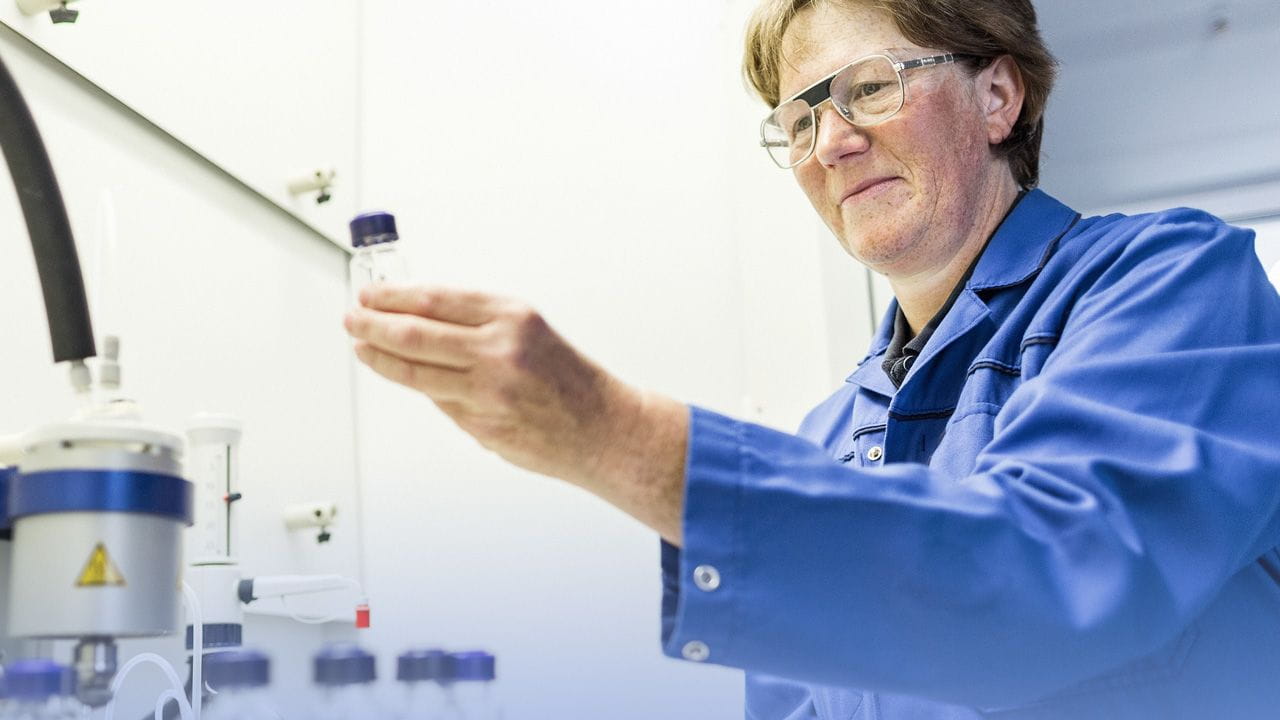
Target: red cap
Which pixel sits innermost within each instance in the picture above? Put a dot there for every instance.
(362, 616)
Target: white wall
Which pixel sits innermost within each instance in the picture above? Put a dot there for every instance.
(224, 302)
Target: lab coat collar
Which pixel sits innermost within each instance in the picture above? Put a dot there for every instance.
(1023, 242)
(869, 374)
(1016, 253)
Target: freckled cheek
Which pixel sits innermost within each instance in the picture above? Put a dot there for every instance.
(812, 180)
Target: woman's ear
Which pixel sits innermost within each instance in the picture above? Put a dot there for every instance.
(1001, 91)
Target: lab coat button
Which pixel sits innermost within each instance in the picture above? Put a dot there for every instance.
(706, 578)
(696, 651)
(875, 453)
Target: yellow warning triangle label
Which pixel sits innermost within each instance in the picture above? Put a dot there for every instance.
(100, 571)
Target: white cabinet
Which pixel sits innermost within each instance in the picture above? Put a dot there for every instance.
(266, 91)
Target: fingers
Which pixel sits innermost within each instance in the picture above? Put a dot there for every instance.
(440, 384)
(462, 307)
(414, 338)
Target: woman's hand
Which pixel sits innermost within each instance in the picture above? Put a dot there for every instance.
(504, 376)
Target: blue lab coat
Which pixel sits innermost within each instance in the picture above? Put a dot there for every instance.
(1070, 509)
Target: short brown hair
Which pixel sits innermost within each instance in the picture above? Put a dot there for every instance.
(984, 28)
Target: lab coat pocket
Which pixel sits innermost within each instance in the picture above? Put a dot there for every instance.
(967, 433)
(972, 424)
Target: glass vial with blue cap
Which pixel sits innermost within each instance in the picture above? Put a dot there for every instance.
(39, 690)
(241, 681)
(472, 691)
(376, 254)
(422, 676)
(344, 677)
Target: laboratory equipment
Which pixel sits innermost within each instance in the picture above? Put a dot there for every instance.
(241, 680)
(95, 506)
(39, 690)
(97, 511)
(344, 676)
(220, 591)
(377, 255)
(473, 689)
(213, 465)
(422, 676)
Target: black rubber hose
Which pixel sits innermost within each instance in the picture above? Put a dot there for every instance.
(47, 223)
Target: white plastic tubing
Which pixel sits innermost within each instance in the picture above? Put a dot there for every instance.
(190, 709)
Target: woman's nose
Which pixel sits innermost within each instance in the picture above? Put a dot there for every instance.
(838, 139)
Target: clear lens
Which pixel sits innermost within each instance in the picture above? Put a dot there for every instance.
(788, 133)
(868, 92)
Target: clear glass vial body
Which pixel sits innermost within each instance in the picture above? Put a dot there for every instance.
(54, 708)
(421, 700)
(380, 263)
(242, 703)
(473, 700)
(348, 702)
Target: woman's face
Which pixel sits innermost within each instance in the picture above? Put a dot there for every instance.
(901, 196)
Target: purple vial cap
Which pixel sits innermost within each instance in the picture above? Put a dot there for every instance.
(473, 665)
(38, 680)
(372, 228)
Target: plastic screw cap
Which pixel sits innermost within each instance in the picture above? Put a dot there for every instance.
(343, 664)
(237, 668)
(372, 228)
(38, 680)
(473, 665)
(217, 635)
(419, 665)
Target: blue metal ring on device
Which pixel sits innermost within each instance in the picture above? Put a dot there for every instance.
(6, 474)
(62, 491)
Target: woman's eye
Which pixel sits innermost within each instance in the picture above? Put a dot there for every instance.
(866, 90)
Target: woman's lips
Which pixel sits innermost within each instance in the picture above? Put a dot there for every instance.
(868, 189)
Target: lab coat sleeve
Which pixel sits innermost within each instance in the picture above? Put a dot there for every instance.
(1123, 486)
(768, 697)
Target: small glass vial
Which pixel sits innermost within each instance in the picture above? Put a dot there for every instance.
(40, 690)
(242, 680)
(423, 676)
(376, 246)
(473, 691)
(344, 675)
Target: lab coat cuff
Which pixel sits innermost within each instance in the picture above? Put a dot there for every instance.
(701, 595)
